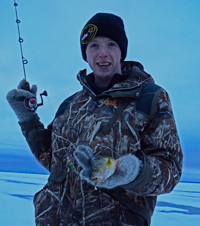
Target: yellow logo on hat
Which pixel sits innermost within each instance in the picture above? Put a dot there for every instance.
(88, 33)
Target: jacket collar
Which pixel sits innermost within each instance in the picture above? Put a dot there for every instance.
(133, 76)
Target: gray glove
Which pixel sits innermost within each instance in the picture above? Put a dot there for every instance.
(16, 98)
(125, 171)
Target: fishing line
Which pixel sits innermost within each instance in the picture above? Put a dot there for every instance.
(41, 77)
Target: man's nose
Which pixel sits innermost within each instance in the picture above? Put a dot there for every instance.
(103, 52)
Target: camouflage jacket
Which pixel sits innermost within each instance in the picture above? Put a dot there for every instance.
(68, 200)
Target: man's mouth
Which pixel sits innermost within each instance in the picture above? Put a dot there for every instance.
(104, 64)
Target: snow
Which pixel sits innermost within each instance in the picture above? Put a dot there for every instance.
(16, 195)
(180, 207)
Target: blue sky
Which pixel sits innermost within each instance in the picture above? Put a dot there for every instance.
(163, 35)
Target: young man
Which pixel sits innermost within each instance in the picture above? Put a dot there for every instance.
(120, 116)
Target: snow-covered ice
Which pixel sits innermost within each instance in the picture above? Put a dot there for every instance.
(16, 195)
(180, 207)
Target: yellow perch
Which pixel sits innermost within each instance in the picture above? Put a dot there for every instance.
(102, 168)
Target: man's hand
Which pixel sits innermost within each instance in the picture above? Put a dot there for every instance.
(16, 98)
(83, 155)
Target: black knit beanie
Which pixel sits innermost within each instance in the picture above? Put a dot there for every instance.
(106, 25)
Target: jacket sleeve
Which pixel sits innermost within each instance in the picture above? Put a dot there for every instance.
(160, 152)
(38, 139)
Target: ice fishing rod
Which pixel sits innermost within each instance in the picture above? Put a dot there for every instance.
(30, 104)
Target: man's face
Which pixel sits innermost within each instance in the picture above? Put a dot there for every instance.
(103, 56)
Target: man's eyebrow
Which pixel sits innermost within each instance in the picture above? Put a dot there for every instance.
(94, 41)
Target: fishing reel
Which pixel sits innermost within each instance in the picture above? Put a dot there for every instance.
(31, 103)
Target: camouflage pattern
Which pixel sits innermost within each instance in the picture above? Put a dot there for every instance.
(66, 199)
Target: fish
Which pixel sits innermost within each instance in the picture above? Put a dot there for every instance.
(102, 168)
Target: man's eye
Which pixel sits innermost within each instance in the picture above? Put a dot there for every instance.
(112, 44)
(94, 45)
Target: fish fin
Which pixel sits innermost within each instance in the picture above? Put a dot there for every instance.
(117, 163)
(109, 162)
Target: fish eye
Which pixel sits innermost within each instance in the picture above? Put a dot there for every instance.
(95, 169)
